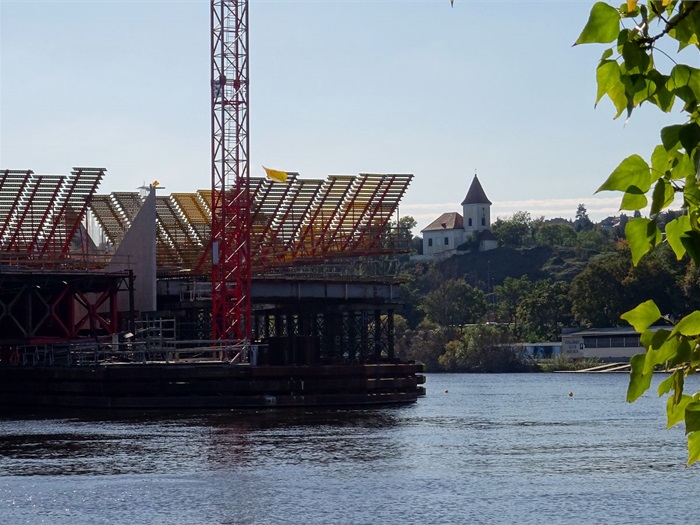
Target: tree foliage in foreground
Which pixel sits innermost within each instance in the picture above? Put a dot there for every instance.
(638, 68)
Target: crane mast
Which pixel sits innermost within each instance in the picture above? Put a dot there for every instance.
(230, 172)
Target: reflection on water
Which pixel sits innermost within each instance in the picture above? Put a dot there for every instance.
(141, 443)
(495, 449)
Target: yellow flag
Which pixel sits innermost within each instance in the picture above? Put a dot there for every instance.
(279, 176)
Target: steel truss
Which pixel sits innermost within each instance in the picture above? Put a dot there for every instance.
(56, 306)
(359, 334)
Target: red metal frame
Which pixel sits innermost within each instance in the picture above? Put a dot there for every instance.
(312, 239)
(14, 244)
(20, 182)
(77, 188)
(230, 206)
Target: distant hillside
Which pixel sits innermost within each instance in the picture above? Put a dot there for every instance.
(492, 267)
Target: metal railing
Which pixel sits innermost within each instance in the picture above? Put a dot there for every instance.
(95, 353)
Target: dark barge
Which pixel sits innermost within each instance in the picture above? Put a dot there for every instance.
(207, 386)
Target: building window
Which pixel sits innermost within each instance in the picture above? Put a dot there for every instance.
(447, 241)
(483, 221)
(470, 221)
(430, 242)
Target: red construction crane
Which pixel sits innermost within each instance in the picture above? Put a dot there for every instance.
(230, 176)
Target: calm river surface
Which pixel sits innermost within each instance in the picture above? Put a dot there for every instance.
(494, 449)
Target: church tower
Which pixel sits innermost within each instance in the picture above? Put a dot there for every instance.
(476, 209)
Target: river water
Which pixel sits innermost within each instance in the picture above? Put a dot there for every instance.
(477, 449)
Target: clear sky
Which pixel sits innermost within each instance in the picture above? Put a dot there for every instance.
(337, 87)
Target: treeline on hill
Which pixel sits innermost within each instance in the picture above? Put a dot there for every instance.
(463, 313)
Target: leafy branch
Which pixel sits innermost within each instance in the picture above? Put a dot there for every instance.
(630, 80)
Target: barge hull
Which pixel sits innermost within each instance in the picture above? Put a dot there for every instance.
(217, 385)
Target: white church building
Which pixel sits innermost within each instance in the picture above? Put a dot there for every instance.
(450, 230)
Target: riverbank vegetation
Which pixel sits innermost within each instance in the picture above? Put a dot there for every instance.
(468, 312)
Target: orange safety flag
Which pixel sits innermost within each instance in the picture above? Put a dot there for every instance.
(279, 176)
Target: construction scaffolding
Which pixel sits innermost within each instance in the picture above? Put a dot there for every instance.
(41, 215)
(301, 222)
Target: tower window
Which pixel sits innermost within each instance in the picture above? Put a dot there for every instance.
(430, 242)
(483, 221)
(470, 221)
(447, 241)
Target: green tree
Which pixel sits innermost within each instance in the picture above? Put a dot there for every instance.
(454, 303)
(556, 234)
(595, 239)
(508, 296)
(545, 311)
(598, 294)
(402, 231)
(425, 344)
(514, 231)
(582, 222)
(483, 349)
(631, 72)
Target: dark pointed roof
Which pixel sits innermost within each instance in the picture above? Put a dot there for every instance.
(447, 221)
(476, 194)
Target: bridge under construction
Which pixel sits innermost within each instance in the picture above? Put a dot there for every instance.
(89, 279)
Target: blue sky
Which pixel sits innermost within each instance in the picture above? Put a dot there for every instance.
(337, 87)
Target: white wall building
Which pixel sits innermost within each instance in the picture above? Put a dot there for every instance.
(605, 344)
(450, 230)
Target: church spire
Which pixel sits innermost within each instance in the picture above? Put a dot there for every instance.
(476, 194)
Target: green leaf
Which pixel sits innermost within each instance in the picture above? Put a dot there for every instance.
(643, 316)
(607, 77)
(693, 448)
(689, 325)
(654, 338)
(686, 30)
(643, 90)
(633, 171)
(670, 138)
(660, 356)
(639, 382)
(678, 383)
(689, 136)
(691, 192)
(675, 230)
(636, 59)
(666, 384)
(660, 161)
(618, 96)
(683, 167)
(683, 76)
(683, 355)
(606, 54)
(675, 412)
(642, 235)
(633, 199)
(692, 417)
(663, 98)
(602, 27)
(662, 196)
(691, 242)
